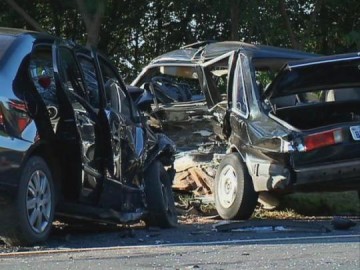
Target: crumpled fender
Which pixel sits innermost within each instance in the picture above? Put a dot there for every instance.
(164, 150)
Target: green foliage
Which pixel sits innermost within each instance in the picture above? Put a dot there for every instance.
(135, 31)
(323, 204)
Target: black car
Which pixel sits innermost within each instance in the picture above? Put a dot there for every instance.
(72, 143)
(290, 119)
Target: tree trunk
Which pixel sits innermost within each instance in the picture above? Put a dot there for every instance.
(310, 31)
(92, 21)
(159, 37)
(323, 26)
(294, 42)
(55, 8)
(235, 6)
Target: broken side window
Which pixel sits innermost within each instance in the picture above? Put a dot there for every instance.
(216, 76)
(91, 81)
(219, 71)
(42, 74)
(71, 73)
(239, 88)
(115, 95)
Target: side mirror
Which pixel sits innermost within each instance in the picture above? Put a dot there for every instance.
(141, 97)
(134, 92)
(144, 101)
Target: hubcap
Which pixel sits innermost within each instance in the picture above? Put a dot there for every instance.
(38, 201)
(227, 186)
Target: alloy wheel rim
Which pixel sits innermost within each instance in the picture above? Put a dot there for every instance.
(38, 201)
(227, 186)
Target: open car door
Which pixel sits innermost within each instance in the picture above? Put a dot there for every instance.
(81, 126)
(123, 187)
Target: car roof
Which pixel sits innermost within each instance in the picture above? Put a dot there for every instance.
(16, 32)
(204, 51)
(13, 31)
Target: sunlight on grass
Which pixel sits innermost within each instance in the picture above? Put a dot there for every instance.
(323, 204)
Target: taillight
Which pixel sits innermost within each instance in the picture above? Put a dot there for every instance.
(19, 111)
(322, 139)
(22, 123)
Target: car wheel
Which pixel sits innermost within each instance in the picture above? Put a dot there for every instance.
(235, 197)
(34, 213)
(159, 197)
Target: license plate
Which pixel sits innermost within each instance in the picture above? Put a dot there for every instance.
(355, 132)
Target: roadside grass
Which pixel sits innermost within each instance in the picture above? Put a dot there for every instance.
(294, 206)
(323, 204)
(261, 213)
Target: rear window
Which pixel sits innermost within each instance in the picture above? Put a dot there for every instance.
(5, 42)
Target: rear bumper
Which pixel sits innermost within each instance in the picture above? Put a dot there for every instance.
(342, 174)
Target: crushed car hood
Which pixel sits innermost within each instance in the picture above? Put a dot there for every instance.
(320, 73)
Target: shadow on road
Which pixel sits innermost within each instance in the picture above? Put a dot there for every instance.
(81, 235)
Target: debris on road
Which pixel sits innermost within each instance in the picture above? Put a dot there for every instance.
(340, 223)
(195, 172)
(270, 226)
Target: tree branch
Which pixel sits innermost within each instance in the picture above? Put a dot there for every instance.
(26, 16)
(235, 7)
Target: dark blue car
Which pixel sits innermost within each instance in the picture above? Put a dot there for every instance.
(72, 143)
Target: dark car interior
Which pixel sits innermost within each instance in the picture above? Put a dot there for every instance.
(319, 108)
(172, 84)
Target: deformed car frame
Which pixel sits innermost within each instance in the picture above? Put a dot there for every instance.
(299, 133)
(72, 143)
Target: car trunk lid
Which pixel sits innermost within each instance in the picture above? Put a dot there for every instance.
(320, 73)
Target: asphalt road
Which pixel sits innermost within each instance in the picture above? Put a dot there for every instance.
(252, 245)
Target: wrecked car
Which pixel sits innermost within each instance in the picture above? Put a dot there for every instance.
(72, 143)
(290, 119)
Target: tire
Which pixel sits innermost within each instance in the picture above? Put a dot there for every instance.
(159, 197)
(34, 206)
(235, 197)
